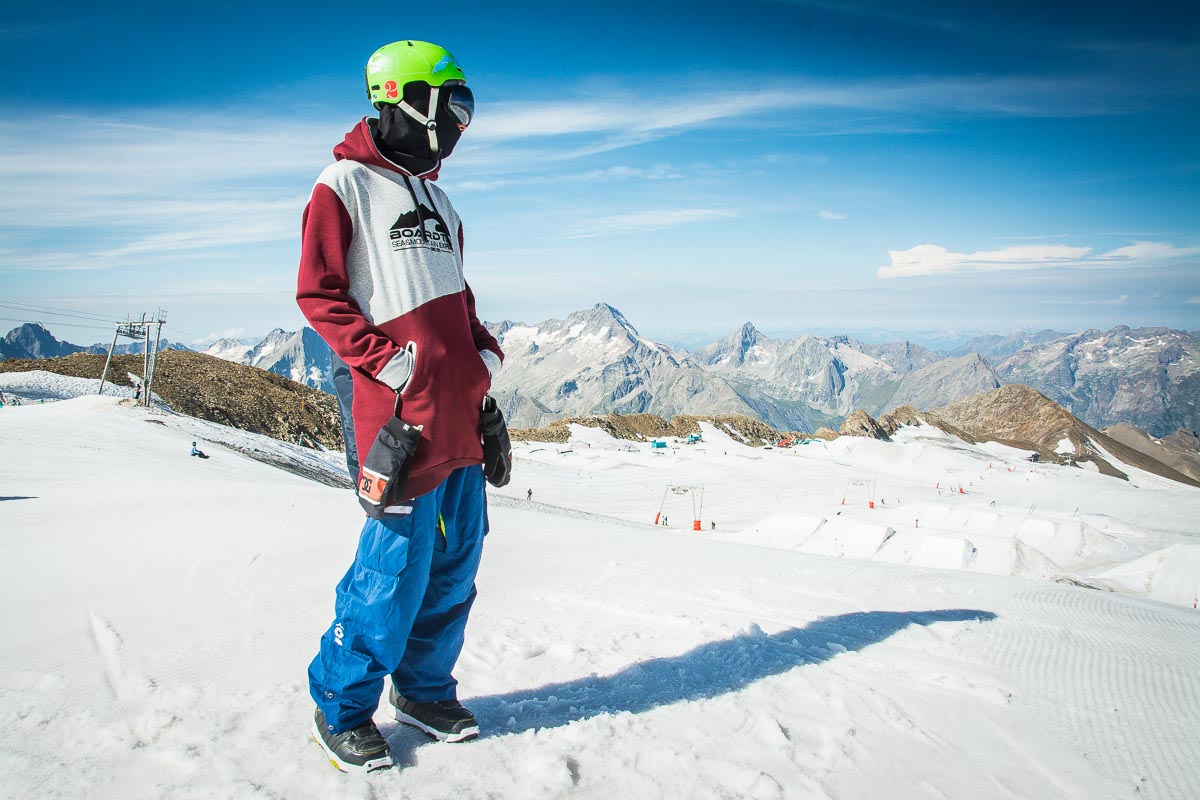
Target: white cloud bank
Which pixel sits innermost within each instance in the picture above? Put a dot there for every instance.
(932, 259)
(827, 214)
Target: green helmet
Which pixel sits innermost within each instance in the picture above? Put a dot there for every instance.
(396, 64)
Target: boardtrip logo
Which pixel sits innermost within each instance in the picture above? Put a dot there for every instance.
(421, 227)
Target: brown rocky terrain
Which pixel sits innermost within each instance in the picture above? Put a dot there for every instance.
(1172, 450)
(637, 427)
(210, 388)
(1023, 417)
(860, 423)
(907, 415)
(1182, 441)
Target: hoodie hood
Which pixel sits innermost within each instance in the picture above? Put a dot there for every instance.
(359, 145)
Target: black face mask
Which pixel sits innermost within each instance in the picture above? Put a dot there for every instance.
(404, 140)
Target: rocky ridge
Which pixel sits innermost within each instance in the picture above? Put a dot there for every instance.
(1023, 417)
(202, 386)
(642, 427)
(1180, 450)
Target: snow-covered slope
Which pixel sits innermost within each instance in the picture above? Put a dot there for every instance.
(229, 349)
(161, 611)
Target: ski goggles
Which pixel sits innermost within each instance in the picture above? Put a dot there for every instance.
(461, 103)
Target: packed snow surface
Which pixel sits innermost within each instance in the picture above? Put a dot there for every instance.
(161, 611)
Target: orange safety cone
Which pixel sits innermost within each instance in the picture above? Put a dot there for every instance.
(871, 504)
(696, 525)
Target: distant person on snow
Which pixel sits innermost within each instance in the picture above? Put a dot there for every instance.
(381, 280)
(197, 452)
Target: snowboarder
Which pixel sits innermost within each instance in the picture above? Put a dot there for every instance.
(381, 280)
(197, 451)
(529, 494)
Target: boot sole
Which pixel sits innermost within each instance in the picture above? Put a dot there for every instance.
(461, 736)
(373, 765)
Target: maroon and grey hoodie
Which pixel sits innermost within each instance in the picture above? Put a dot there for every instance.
(381, 280)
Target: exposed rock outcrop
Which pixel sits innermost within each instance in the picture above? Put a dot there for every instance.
(860, 423)
(1178, 459)
(1023, 417)
(639, 427)
(210, 388)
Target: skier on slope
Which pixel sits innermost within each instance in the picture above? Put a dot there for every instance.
(381, 280)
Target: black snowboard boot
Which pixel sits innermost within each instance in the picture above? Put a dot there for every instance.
(445, 720)
(361, 749)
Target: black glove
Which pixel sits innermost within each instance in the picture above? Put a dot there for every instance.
(497, 449)
(384, 473)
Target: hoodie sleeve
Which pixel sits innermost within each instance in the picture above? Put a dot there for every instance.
(323, 293)
(485, 343)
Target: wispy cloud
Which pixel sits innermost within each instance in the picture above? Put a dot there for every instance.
(658, 172)
(932, 259)
(598, 119)
(827, 214)
(650, 220)
(1070, 301)
(636, 115)
(132, 191)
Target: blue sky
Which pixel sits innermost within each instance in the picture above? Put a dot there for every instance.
(807, 166)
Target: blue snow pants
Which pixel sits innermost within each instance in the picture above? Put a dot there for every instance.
(402, 607)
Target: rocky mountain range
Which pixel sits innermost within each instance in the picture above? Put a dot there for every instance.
(998, 345)
(596, 362)
(301, 356)
(33, 340)
(1147, 377)
(256, 400)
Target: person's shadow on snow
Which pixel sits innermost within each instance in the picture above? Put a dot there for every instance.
(705, 672)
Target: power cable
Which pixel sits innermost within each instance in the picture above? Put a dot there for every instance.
(185, 333)
(64, 324)
(58, 312)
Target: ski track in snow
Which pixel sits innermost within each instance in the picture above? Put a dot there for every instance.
(162, 611)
